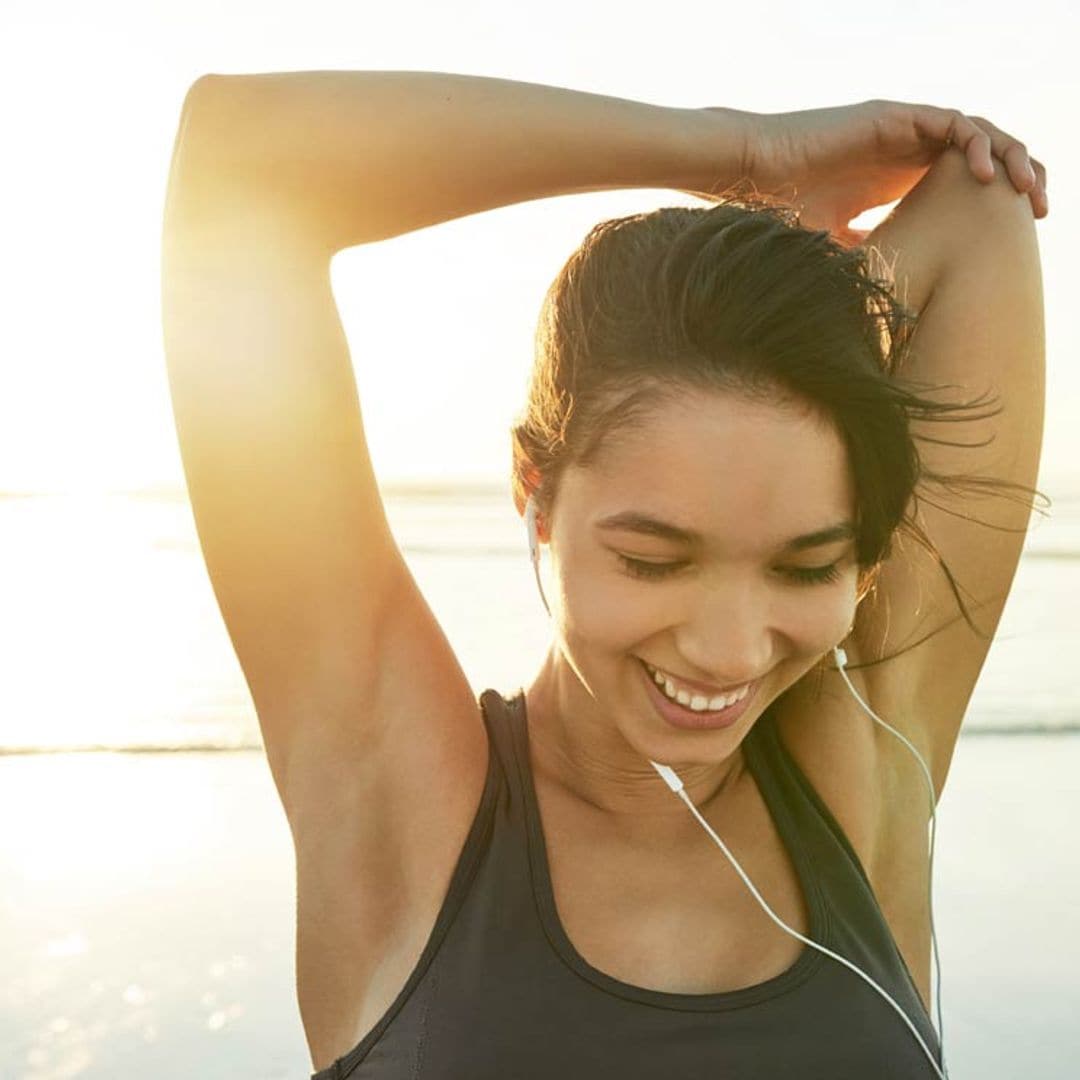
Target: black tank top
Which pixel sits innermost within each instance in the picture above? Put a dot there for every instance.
(500, 993)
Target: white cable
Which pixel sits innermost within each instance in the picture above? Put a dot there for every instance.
(841, 657)
(676, 785)
(671, 778)
(534, 547)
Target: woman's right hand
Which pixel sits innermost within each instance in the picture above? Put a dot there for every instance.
(834, 163)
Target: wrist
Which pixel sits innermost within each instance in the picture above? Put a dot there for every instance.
(716, 149)
(635, 144)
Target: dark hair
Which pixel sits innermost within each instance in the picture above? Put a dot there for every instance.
(736, 297)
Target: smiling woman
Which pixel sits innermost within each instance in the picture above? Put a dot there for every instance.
(719, 577)
(717, 389)
(732, 299)
(718, 392)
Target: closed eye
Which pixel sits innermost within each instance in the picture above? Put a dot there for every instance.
(814, 575)
(641, 568)
(804, 575)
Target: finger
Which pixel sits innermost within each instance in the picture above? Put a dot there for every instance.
(976, 145)
(954, 128)
(1039, 202)
(1013, 153)
(980, 142)
(1019, 161)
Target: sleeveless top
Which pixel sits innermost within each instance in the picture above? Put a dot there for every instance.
(500, 993)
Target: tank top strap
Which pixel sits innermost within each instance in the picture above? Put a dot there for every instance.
(857, 926)
(792, 799)
(501, 714)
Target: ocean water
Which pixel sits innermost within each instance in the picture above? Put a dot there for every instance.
(121, 886)
(112, 637)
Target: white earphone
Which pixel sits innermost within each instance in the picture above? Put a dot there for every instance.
(672, 780)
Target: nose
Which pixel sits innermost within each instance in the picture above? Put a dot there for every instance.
(725, 634)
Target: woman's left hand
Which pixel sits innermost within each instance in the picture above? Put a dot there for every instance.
(835, 163)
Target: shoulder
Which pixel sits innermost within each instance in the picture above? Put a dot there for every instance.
(844, 754)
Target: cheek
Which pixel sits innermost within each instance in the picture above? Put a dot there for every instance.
(597, 604)
(822, 615)
(601, 609)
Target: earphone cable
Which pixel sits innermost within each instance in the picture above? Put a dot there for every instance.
(821, 948)
(842, 656)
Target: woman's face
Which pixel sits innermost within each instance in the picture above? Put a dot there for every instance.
(731, 605)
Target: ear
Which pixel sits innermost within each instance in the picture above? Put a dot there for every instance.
(530, 483)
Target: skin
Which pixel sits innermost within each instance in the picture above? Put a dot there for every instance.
(728, 617)
(380, 791)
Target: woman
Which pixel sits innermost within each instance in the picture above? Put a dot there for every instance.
(718, 453)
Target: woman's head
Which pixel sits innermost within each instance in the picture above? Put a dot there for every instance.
(735, 371)
(735, 299)
(714, 540)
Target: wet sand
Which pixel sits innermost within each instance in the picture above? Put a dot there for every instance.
(147, 915)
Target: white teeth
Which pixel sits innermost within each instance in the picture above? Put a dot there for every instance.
(697, 702)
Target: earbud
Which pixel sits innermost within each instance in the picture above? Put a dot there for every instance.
(530, 525)
(534, 546)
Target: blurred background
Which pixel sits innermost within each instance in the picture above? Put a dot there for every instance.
(146, 875)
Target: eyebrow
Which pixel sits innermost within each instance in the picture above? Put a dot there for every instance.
(633, 521)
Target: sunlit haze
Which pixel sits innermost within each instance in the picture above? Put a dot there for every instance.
(439, 321)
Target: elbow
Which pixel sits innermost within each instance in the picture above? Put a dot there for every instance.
(210, 176)
(976, 208)
(197, 154)
(239, 137)
(199, 94)
(215, 160)
(961, 218)
(228, 185)
(207, 83)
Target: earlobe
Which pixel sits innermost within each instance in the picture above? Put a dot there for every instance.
(534, 521)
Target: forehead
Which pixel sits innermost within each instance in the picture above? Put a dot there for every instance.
(746, 472)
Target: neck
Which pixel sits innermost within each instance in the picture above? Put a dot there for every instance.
(578, 745)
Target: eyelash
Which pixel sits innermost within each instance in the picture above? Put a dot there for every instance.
(805, 575)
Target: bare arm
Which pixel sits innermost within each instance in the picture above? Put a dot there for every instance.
(371, 729)
(271, 174)
(356, 156)
(967, 258)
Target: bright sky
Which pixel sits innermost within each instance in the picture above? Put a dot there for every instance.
(92, 97)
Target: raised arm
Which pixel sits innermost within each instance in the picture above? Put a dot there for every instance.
(371, 730)
(966, 257)
(271, 174)
(356, 156)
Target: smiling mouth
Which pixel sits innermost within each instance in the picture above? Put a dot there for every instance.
(695, 696)
(696, 713)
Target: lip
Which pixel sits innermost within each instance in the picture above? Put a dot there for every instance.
(681, 717)
(704, 688)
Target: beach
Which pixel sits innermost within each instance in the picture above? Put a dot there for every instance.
(149, 915)
(113, 637)
(147, 897)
